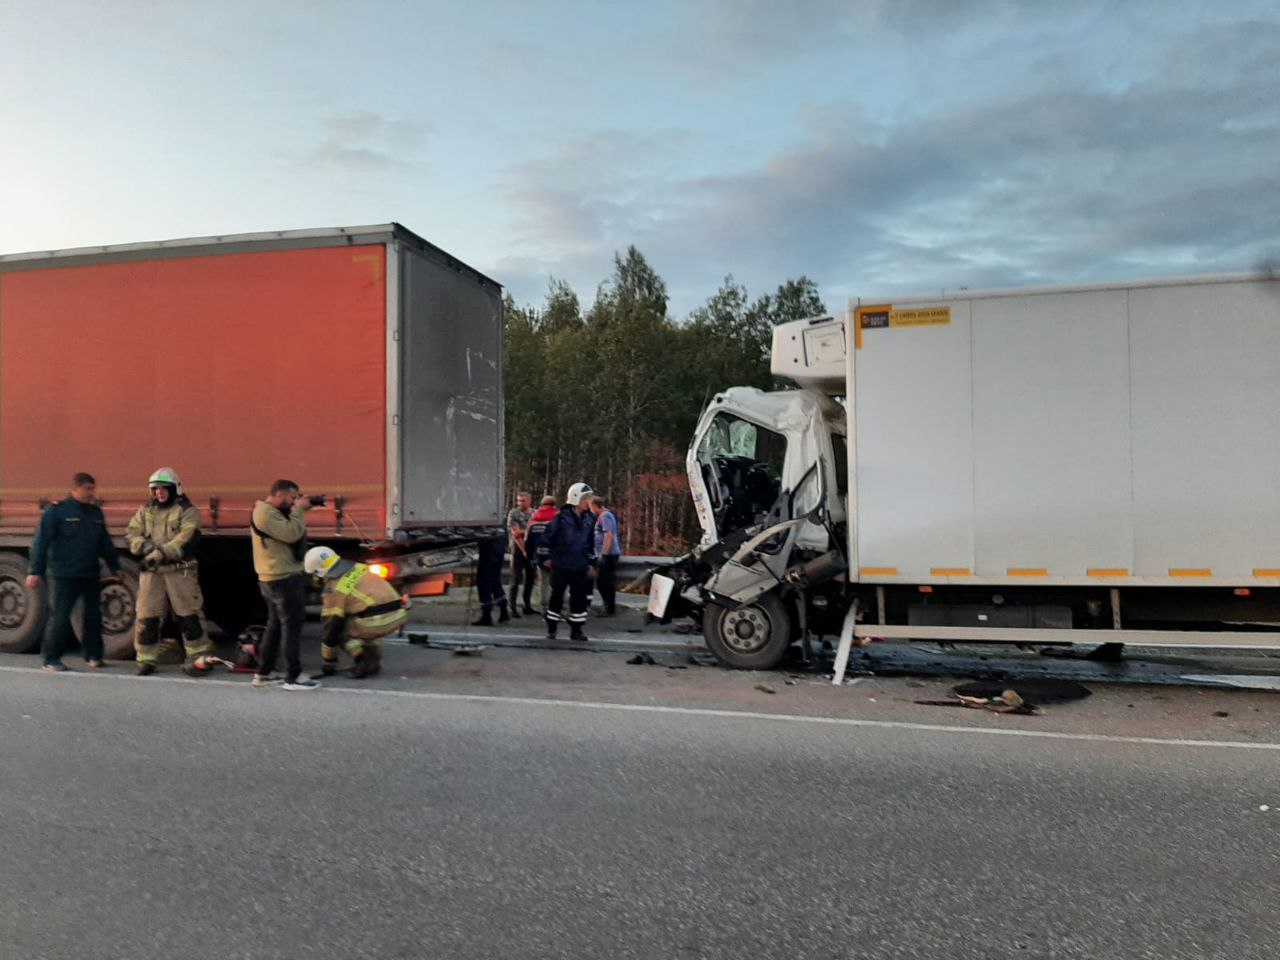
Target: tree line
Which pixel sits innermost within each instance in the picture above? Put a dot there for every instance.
(611, 394)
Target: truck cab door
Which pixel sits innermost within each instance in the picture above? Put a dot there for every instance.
(760, 563)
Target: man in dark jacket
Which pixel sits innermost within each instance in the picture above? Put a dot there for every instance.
(566, 549)
(69, 543)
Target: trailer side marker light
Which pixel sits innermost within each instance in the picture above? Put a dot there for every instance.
(385, 570)
(1027, 572)
(1242, 592)
(1107, 572)
(1190, 572)
(1266, 572)
(950, 572)
(878, 571)
(925, 588)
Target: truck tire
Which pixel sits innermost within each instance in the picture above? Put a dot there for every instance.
(118, 595)
(752, 637)
(23, 612)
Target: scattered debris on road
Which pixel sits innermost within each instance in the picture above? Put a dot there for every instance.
(1022, 697)
(763, 689)
(642, 659)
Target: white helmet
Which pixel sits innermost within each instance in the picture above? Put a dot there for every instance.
(166, 476)
(577, 493)
(319, 561)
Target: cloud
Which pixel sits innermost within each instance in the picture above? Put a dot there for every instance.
(1174, 172)
(363, 142)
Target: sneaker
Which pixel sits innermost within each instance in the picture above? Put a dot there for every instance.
(146, 669)
(302, 683)
(55, 666)
(266, 679)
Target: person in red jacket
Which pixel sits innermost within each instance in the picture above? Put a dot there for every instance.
(545, 513)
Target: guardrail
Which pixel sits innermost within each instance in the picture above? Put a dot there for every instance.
(631, 567)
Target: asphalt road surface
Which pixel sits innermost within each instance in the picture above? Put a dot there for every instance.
(540, 804)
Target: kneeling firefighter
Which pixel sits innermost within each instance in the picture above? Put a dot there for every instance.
(163, 534)
(359, 609)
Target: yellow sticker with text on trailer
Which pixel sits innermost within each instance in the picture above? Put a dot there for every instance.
(874, 318)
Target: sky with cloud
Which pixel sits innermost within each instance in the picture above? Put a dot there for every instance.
(879, 146)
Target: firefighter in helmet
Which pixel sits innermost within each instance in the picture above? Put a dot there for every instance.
(359, 609)
(163, 536)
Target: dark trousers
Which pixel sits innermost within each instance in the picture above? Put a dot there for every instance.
(286, 612)
(493, 556)
(578, 583)
(521, 574)
(607, 583)
(57, 635)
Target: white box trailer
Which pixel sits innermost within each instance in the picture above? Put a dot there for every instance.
(1027, 465)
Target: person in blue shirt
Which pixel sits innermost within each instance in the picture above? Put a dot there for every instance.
(608, 551)
(69, 543)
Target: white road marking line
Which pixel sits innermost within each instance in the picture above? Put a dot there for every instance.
(686, 712)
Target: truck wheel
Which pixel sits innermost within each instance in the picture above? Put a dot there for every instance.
(118, 595)
(753, 637)
(23, 612)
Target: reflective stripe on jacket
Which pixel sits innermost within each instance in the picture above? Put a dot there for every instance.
(355, 591)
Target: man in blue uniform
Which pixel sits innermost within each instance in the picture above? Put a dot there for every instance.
(69, 543)
(567, 549)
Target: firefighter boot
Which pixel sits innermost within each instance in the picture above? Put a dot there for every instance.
(486, 618)
(551, 629)
(514, 607)
(504, 613)
(577, 632)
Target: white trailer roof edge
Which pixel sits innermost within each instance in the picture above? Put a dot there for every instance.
(1178, 281)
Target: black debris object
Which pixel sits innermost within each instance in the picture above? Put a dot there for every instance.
(703, 660)
(1221, 713)
(1035, 690)
(763, 689)
(642, 659)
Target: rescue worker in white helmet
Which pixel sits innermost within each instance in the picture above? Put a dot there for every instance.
(163, 536)
(567, 549)
(358, 609)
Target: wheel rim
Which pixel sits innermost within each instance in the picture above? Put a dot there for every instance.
(117, 608)
(746, 630)
(13, 604)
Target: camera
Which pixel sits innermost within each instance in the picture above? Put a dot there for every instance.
(317, 501)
